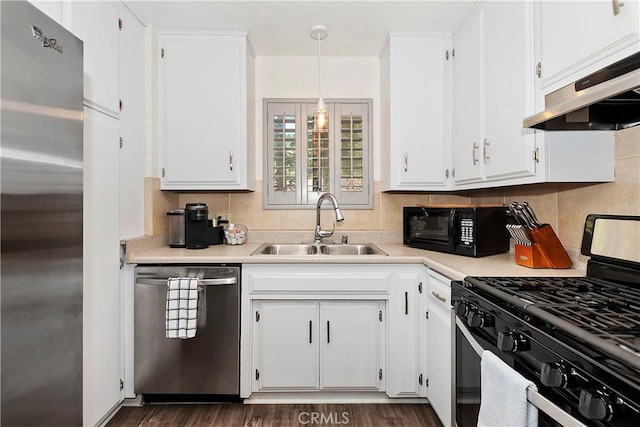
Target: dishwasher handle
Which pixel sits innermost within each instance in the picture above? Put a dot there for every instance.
(203, 282)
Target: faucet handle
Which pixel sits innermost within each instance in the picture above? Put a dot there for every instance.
(325, 233)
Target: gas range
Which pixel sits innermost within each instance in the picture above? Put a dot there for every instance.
(577, 338)
(603, 314)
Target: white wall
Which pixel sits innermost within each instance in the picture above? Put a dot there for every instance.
(297, 77)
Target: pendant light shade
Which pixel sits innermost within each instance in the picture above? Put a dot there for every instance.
(320, 32)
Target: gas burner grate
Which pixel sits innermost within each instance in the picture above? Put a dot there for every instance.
(602, 308)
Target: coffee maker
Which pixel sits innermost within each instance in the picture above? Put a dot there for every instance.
(195, 226)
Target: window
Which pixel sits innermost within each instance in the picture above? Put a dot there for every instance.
(301, 162)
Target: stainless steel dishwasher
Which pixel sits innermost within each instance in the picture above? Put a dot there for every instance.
(206, 364)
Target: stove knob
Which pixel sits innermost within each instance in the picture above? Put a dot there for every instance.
(512, 341)
(462, 308)
(553, 375)
(477, 319)
(474, 319)
(595, 406)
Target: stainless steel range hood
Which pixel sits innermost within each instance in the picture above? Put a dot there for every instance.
(608, 99)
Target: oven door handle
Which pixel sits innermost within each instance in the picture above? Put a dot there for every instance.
(470, 339)
(538, 400)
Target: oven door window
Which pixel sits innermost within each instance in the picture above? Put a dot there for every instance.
(429, 226)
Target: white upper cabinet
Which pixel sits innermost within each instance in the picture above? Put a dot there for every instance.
(132, 126)
(491, 93)
(575, 39)
(205, 111)
(507, 148)
(495, 87)
(468, 98)
(97, 24)
(415, 110)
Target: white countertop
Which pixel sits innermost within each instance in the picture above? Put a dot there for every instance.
(455, 267)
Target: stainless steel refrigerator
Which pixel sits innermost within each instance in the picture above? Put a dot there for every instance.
(41, 202)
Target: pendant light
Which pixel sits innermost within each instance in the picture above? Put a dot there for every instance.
(320, 32)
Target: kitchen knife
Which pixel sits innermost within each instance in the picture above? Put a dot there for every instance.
(532, 214)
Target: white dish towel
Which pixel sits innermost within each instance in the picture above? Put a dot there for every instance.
(504, 395)
(182, 307)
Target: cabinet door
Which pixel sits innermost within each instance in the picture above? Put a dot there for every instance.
(468, 99)
(202, 111)
(439, 347)
(96, 24)
(350, 353)
(420, 102)
(101, 283)
(286, 339)
(132, 131)
(579, 38)
(507, 149)
(407, 337)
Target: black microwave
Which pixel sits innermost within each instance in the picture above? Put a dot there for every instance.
(474, 231)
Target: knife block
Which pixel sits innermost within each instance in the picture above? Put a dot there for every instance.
(546, 251)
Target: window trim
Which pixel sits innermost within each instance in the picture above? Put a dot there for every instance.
(334, 149)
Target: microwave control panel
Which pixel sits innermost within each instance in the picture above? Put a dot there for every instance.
(466, 230)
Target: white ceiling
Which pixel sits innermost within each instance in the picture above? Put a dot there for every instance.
(281, 28)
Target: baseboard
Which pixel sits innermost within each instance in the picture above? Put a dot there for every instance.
(327, 398)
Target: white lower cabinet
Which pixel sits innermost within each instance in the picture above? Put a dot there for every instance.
(101, 275)
(286, 340)
(318, 345)
(407, 334)
(439, 388)
(357, 328)
(351, 344)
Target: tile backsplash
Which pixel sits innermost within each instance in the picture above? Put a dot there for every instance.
(564, 206)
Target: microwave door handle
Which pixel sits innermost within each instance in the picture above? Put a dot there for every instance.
(452, 228)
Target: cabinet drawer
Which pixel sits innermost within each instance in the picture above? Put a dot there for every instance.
(439, 290)
(334, 279)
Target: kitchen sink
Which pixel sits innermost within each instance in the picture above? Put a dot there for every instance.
(317, 249)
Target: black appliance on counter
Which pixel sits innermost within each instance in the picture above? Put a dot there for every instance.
(470, 230)
(196, 226)
(577, 338)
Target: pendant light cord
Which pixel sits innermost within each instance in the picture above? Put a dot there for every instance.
(319, 70)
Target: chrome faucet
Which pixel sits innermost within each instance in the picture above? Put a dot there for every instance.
(339, 218)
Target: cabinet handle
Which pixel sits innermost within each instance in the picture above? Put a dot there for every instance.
(473, 153)
(539, 69)
(328, 333)
(536, 155)
(484, 150)
(441, 298)
(230, 160)
(406, 303)
(616, 6)
(406, 161)
(310, 328)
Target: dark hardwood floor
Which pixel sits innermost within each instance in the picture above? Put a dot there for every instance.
(237, 414)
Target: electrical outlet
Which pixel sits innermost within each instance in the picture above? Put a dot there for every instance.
(222, 216)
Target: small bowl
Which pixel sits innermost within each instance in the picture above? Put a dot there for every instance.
(236, 235)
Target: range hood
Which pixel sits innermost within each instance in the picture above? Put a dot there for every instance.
(608, 99)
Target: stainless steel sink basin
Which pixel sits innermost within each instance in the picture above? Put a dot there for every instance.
(351, 250)
(317, 249)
